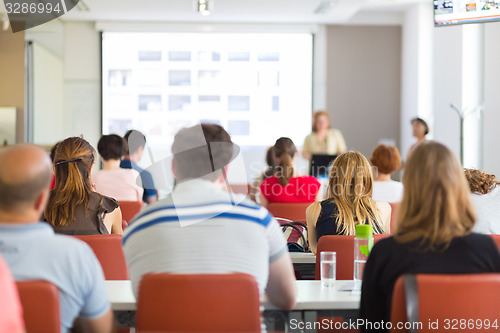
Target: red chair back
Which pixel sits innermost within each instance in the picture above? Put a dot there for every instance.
(449, 296)
(130, 209)
(109, 252)
(394, 215)
(198, 303)
(344, 246)
(40, 302)
(295, 211)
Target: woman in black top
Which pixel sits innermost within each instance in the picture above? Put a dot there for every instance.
(433, 235)
(349, 201)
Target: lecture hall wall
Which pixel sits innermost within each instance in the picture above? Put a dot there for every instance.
(371, 92)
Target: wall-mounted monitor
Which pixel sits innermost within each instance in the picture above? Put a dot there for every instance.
(448, 12)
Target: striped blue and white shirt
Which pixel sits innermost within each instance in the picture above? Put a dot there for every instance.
(202, 229)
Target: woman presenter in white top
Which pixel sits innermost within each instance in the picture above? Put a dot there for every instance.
(323, 139)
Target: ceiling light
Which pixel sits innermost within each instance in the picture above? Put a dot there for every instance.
(325, 6)
(204, 7)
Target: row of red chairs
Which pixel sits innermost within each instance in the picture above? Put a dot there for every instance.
(224, 303)
(230, 303)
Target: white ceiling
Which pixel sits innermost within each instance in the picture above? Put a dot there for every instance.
(237, 11)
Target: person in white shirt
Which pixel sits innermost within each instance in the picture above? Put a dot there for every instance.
(113, 181)
(486, 197)
(200, 228)
(385, 160)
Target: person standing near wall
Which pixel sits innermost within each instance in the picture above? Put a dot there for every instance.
(420, 130)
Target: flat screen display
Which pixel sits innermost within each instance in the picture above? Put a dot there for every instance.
(448, 12)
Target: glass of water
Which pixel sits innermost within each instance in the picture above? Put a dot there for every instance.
(328, 262)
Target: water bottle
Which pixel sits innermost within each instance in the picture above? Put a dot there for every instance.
(363, 243)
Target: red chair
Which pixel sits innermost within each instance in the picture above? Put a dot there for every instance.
(130, 209)
(344, 246)
(447, 296)
(109, 252)
(198, 303)
(394, 215)
(40, 302)
(295, 211)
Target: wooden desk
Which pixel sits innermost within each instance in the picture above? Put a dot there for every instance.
(313, 300)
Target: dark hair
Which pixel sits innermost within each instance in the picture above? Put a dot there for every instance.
(270, 162)
(480, 182)
(201, 150)
(134, 140)
(111, 147)
(72, 162)
(285, 150)
(421, 121)
(386, 158)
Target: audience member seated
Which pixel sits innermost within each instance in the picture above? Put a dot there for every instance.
(349, 202)
(32, 250)
(323, 139)
(255, 189)
(434, 234)
(74, 208)
(136, 141)
(286, 185)
(386, 160)
(486, 198)
(199, 228)
(113, 181)
(11, 312)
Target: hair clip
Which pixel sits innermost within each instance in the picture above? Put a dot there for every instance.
(73, 160)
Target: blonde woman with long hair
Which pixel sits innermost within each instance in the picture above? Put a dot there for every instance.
(348, 201)
(433, 232)
(286, 185)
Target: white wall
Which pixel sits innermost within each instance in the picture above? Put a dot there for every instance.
(49, 116)
(491, 133)
(82, 80)
(416, 72)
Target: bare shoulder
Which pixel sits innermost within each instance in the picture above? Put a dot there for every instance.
(383, 206)
(312, 212)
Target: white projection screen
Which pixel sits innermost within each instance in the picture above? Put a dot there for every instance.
(258, 86)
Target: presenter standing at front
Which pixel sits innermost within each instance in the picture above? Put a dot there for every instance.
(323, 139)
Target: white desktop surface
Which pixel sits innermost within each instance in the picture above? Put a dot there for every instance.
(303, 258)
(311, 296)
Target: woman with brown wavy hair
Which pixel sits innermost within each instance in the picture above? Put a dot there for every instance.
(348, 201)
(486, 197)
(434, 231)
(74, 208)
(286, 185)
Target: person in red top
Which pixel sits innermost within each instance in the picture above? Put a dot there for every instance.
(286, 185)
(11, 313)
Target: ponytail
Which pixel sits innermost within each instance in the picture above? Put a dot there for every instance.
(286, 167)
(72, 162)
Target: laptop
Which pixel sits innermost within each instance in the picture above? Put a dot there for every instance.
(320, 164)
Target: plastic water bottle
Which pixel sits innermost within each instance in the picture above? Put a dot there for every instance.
(363, 243)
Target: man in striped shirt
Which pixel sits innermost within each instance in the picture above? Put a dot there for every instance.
(200, 228)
